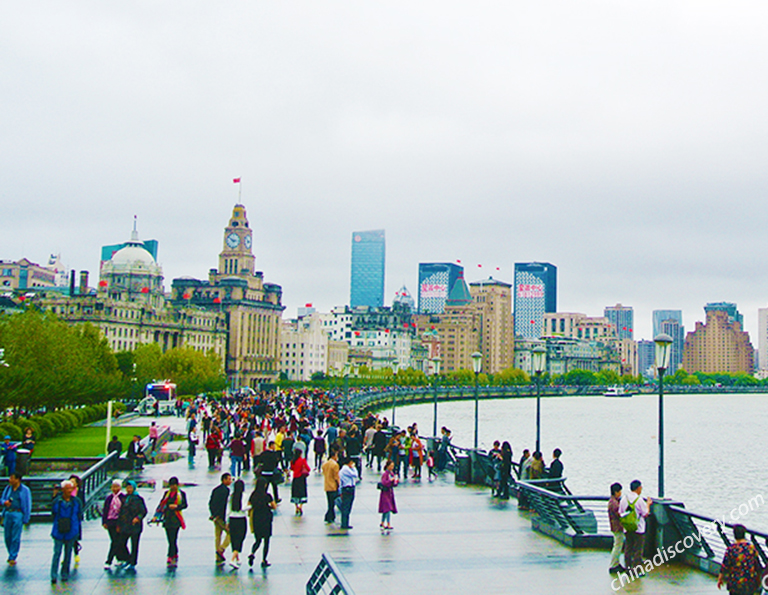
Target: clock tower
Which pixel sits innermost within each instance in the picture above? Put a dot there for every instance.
(236, 259)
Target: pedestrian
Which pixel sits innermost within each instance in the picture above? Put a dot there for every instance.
(131, 524)
(556, 471)
(347, 479)
(740, 570)
(633, 548)
(300, 471)
(505, 470)
(135, 454)
(432, 474)
(443, 450)
(331, 484)
(217, 506)
(269, 461)
(76, 494)
(67, 514)
(192, 443)
(368, 445)
(17, 509)
(537, 466)
(387, 504)
(153, 437)
(261, 505)
(526, 462)
(379, 446)
(319, 447)
(353, 446)
(616, 529)
(212, 446)
(416, 454)
(238, 521)
(28, 443)
(110, 515)
(8, 450)
(236, 455)
(169, 512)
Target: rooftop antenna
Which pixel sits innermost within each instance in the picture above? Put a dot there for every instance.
(134, 233)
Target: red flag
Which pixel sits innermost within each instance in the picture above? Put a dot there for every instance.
(480, 266)
(307, 305)
(458, 261)
(103, 283)
(217, 300)
(186, 296)
(145, 290)
(236, 180)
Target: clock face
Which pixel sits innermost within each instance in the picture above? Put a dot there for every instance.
(247, 242)
(233, 240)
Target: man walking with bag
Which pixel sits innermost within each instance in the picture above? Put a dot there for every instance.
(633, 511)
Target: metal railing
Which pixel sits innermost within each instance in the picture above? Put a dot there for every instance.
(92, 484)
(712, 536)
(581, 515)
(328, 579)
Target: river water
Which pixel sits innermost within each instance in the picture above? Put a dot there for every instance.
(715, 445)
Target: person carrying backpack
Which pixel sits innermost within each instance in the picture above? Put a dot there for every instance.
(633, 511)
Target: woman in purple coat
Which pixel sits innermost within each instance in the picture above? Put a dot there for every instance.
(387, 505)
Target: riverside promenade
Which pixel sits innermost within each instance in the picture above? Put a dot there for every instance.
(447, 539)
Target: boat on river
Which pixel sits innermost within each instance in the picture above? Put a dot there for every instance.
(617, 391)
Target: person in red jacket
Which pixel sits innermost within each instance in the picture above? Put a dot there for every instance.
(300, 469)
(212, 445)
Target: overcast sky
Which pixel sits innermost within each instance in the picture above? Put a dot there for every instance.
(624, 142)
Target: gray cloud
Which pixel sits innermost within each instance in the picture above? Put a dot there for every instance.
(624, 143)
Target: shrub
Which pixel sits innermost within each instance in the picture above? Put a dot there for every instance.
(118, 407)
(47, 427)
(63, 423)
(12, 430)
(74, 420)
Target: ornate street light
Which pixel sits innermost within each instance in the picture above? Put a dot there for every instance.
(477, 365)
(436, 366)
(663, 353)
(538, 363)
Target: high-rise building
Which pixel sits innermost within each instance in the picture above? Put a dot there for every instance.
(436, 280)
(660, 316)
(762, 338)
(404, 297)
(368, 260)
(729, 307)
(493, 302)
(623, 320)
(674, 329)
(646, 356)
(719, 346)
(535, 294)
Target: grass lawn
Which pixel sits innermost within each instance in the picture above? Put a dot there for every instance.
(85, 442)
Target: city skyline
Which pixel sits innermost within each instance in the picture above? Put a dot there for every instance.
(606, 142)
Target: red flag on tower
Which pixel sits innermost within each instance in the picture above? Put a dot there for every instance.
(236, 180)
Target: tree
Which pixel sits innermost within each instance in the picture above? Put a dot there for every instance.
(193, 371)
(579, 378)
(511, 376)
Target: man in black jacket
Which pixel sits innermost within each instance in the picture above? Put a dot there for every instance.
(268, 462)
(217, 506)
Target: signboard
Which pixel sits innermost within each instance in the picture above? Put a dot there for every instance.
(433, 290)
(527, 290)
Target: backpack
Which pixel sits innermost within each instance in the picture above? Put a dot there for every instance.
(630, 519)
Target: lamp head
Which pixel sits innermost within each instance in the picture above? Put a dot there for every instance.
(477, 361)
(663, 350)
(538, 359)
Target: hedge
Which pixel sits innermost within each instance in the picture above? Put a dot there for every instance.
(53, 423)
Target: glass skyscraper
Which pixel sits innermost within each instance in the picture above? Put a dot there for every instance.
(623, 320)
(535, 293)
(671, 323)
(436, 280)
(367, 279)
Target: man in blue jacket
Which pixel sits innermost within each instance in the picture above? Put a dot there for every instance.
(17, 508)
(67, 516)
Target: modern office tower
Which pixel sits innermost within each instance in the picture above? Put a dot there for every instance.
(436, 280)
(404, 297)
(493, 302)
(623, 320)
(535, 294)
(762, 338)
(729, 307)
(719, 345)
(660, 316)
(646, 356)
(367, 279)
(674, 329)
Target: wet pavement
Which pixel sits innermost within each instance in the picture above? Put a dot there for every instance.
(447, 539)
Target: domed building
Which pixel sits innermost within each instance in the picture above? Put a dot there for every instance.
(132, 274)
(130, 308)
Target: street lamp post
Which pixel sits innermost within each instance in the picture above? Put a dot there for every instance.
(477, 363)
(395, 366)
(538, 362)
(436, 363)
(346, 385)
(663, 352)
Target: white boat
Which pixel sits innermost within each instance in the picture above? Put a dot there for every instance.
(616, 391)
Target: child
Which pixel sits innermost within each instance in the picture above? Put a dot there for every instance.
(431, 465)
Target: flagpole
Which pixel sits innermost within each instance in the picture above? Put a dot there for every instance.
(240, 191)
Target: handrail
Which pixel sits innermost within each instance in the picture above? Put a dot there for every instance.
(325, 570)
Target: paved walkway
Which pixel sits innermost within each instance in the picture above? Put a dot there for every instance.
(446, 540)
